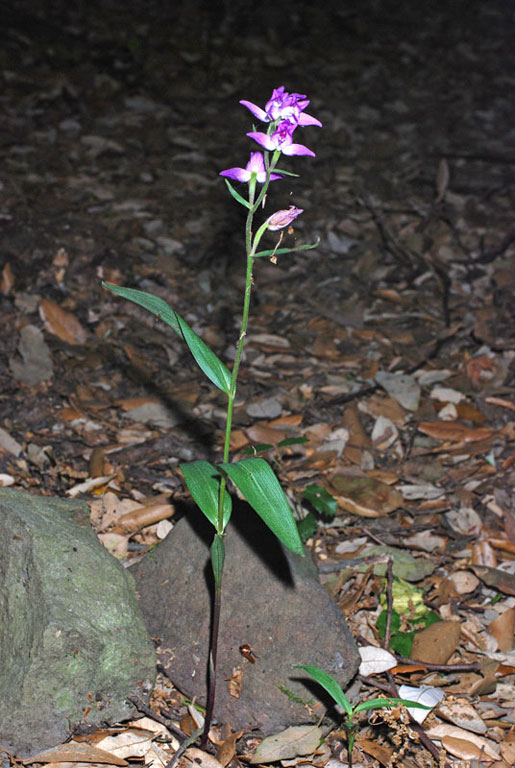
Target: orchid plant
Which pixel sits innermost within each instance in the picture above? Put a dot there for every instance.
(253, 477)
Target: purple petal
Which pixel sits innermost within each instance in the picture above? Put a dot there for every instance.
(239, 174)
(262, 139)
(297, 149)
(256, 111)
(305, 119)
(256, 163)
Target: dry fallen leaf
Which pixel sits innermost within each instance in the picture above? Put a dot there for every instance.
(226, 749)
(464, 582)
(436, 644)
(202, 759)
(495, 577)
(375, 660)
(444, 731)
(503, 629)
(62, 323)
(130, 742)
(463, 748)
(140, 518)
(235, 682)
(7, 281)
(365, 496)
(292, 742)
(461, 713)
(454, 431)
(371, 747)
(72, 752)
(427, 695)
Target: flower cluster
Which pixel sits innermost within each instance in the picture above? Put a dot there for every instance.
(283, 106)
(284, 112)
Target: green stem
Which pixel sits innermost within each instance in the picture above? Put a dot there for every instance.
(217, 564)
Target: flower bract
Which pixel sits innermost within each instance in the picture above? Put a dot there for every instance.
(255, 165)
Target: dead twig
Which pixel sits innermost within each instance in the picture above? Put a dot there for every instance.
(474, 666)
(146, 710)
(389, 601)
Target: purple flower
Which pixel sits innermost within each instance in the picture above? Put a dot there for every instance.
(283, 106)
(255, 165)
(284, 218)
(281, 139)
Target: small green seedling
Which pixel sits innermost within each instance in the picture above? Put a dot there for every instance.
(337, 694)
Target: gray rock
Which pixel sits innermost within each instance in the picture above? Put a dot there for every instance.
(73, 645)
(271, 600)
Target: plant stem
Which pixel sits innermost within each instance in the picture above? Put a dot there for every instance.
(218, 567)
(215, 625)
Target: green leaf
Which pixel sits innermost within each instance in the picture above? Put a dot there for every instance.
(321, 500)
(207, 361)
(402, 643)
(203, 481)
(217, 558)
(251, 450)
(286, 173)
(279, 251)
(307, 527)
(292, 441)
(389, 702)
(381, 623)
(259, 485)
(331, 686)
(236, 195)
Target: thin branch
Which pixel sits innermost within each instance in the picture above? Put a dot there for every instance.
(474, 666)
(389, 604)
(146, 710)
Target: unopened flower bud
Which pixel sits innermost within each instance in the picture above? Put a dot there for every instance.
(284, 218)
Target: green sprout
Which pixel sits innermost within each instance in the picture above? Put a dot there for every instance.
(336, 692)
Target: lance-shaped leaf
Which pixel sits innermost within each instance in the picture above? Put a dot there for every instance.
(203, 481)
(236, 195)
(207, 361)
(260, 487)
(329, 683)
(279, 251)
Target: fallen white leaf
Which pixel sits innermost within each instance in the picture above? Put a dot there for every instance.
(375, 660)
(446, 395)
(426, 695)
(297, 740)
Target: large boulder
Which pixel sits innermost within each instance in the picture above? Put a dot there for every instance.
(271, 601)
(73, 644)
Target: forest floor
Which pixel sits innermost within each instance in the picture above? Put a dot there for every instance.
(116, 121)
